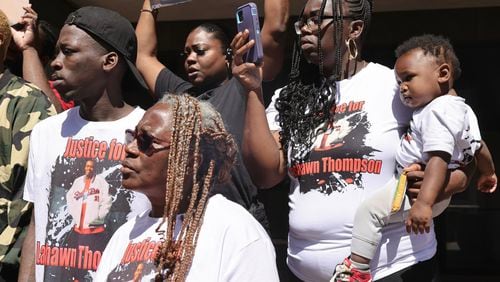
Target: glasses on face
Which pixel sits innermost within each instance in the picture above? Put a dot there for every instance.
(313, 23)
(145, 143)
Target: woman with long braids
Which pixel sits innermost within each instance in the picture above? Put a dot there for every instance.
(334, 129)
(176, 154)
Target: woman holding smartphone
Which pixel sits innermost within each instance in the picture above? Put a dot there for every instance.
(334, 129)
(208, 67)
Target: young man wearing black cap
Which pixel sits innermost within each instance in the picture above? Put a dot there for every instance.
(96, 51)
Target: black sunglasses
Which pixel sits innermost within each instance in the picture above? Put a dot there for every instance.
(145, 143)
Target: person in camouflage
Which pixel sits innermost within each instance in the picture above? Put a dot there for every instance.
(22, 105)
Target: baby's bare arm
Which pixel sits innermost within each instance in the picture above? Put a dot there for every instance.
(436, 177)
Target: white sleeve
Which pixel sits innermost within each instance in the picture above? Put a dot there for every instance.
(441, 125)
(272, 113)
(29, 192)
(255, 262)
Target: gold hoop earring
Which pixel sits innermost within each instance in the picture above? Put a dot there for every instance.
(351, 44)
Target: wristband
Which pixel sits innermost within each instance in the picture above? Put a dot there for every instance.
(154, 12)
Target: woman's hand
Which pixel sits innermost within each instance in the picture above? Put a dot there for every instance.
(458, 182)
(487, 183)
(249, 74)
(415, 178)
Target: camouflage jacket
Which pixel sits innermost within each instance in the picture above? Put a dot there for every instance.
(22, 105)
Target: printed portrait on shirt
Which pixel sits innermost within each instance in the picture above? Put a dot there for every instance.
(86, 205)
(340, 155)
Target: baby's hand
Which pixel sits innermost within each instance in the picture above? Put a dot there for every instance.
(419, 218)
(487, 183)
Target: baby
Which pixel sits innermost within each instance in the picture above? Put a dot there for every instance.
(443, 135)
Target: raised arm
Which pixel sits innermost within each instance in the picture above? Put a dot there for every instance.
(33, 70)
(273, 36)
(261, 150)
(147, 62)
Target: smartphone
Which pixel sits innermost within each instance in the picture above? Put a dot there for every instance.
(247, 17)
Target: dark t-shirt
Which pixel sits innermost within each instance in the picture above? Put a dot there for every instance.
(229, 100)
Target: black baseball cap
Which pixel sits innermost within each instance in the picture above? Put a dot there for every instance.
(111, 28)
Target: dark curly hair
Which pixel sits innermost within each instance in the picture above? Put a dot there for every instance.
(48, 39)
(218, 33)
(308, 99)
(435, 45)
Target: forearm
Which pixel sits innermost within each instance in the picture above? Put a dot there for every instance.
(27, 268)
(436, 177)
(34, 72)
(146, 31)
(484, 160)
(147, 62)
(276, 14)
(273, 34)
(458, 181)
(263, 156)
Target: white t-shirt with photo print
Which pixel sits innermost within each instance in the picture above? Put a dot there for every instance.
(232, 246)
(349, 162)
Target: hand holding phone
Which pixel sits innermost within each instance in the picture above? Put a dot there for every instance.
(247, 17)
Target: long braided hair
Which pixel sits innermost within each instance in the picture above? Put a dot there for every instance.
(308, 99)
(201, 154)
